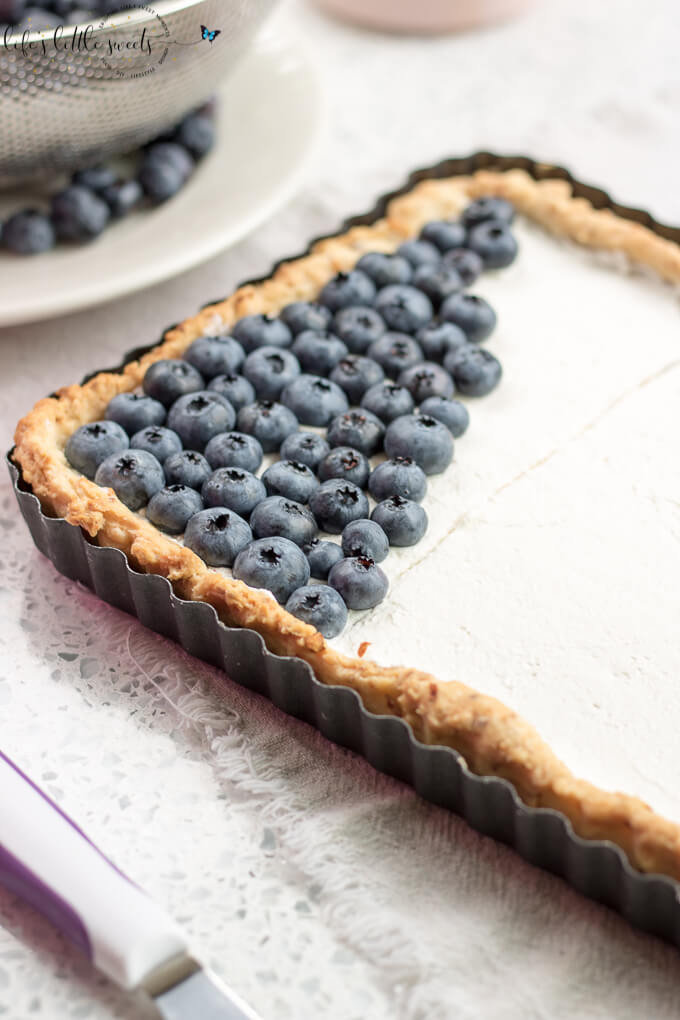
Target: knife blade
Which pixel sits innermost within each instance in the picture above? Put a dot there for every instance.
(49, 861)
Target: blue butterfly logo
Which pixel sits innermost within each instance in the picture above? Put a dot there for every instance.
(206, 33)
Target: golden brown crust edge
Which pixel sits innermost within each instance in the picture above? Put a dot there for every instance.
(493, 739)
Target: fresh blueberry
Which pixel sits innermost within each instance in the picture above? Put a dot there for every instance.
(276, 564)
(122, 197)
(197, 417)
(475, 371)
(444, 234)
(93, 443)
(277, 515)
(403, 520)
(467, 264)
(366, 538)
(344, 462)
(403, 307)
(234, 449)
(261, 331)
(134, 476)
(318, 352)
(315, 401)
(361, 582)
(215, 355)
(217, 535)
(268, 421)
(134, 411)
(388, 401)
(449, 412)
(353, 288)
(306, 448)
(290, 478)
(171, 507)
(399, 476)
(321, 607)
(385, 269)
(322, 555)
(438, 282)
(428, 379)
(28, 232)
(270, 369)
(427, 441)
(488, 207)
(358, 428)
(96, 178)
(11, 11)
(355, 374)
(165, 169)
(235, 488)
(235, 388)
(197, 134)
(438, 338)
(419, 253)
(302, 315)
(158, 440)
(394, 352)
(187, 468)
(170, 378)
(78, 214)
(473, 314)
(358, 326)
(494, 242)
(171, 154)
(337, 502)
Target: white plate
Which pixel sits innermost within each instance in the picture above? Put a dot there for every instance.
(269, 115)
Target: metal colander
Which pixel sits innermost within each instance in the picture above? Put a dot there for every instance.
(73, 98)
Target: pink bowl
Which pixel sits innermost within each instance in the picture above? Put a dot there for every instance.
(424, 15)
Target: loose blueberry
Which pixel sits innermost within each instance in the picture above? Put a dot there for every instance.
(235, 488)
(428, 379)
(171, 154)
(276, 564)
(403, 307)
(361, 582)
(449, 412)
(234, 449)
(385, 269)
(268, 421)
(318, 352)
(235, 388)
(322, 555)
(170, 378)
(419, 253)
(197, 134)
(337, 502)
(215, 355)
(399, 476)
(358, 428)
(314, 401)
(261, 331)
(134, 476)
(355, 374)
(427, 441)
(217, 535)
(438, 338)
(96, 178)
(134, 411)
(403, 520)
(187, 468)
(165, 169)
(302, 315)
(444, 234)
(270, 369)
(321, 607)
(488, 208)
(277, 515)
(475, 371)
(494, 242)
(358, 326)
(290, 478)
(344, 289)
(394, 352)
(344, 462)
(171, 508)
(388, 401)
(438, 282)
(122, 197)
(306, 447)
(78, 214)
(467, 264)
(197, 417)
(158, 440)
(365, 538)
(93, 443)
(28, 232)
(473, 314)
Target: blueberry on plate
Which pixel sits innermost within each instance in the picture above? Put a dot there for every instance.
(428, 379)
(467, 264)
(261, 331)
(475, 371)
(344, 462)
(270, 369)
(403, 520)
(388, 400)
(290, 478)
(277, 515)
(322, 554)
(494, 242)
(306, 447)
(419, 253)
(358, 428)
(217, 535)
(235, 488)
(165, 168)
(93, 443)
(234, 449)
(314, 400)
(134, 476)
(403, 307)
(318, 351)
(235, 388)
(473, 314)
(215, 355)
(399, 476)
(78, 214)
(28, 232)
(321, 607)
(444, 234)
(343, 289)
(171, 154)
(197, 134)
(438, 282)
(134, 411)
(96, 178)
(361, 582)
(172, 506)
(170, 378)
(358, 326)
(187, 468)
(394, 352)
(488, 207)
(438, 338)
(268, 421)
(122, 197)
(302, 315)
(355, 374)
(366, 538)
(337, 502)
(427, 441)
(158, 440)
(276, 564)
(449, 412)
(197, 417)
(385, 269)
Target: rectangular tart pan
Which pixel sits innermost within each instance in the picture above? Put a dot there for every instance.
(544, 837)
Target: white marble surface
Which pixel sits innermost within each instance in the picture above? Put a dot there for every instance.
(301, 874)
